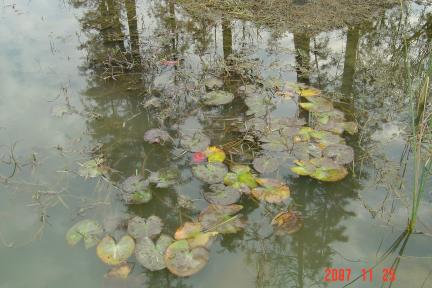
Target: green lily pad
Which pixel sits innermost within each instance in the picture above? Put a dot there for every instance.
(266, 164)
(151, 255)
(220, 218)
(317, 104)
(211, 173)
(156, 136)
(222, 195)
(288, 222)
(183, 260)
(196, 142)
(113, 253)
(136, 190)
(328, 170)
(164, 178)
(326, 138)
(213, 83)
(92, 168)
(335, 115)
(257, 105)
(303, 168)
(214, 154)
(140, 227)
(88, 230)
(218, 97)
(276, 142)
(340, 153)
(303, 151)
(240, 178)
(271, 190)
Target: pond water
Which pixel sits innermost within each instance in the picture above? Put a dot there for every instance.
(85, 80)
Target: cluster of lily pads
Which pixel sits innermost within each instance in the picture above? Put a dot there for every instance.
(318, 151)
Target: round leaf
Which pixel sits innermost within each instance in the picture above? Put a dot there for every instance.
(211, 172)
(272, 191)
(113, 253)
(340, 153)
(151, 256)
(92, 168)
(182, 260)
(222, 195)
(156, 136)
(196, 142)
(87, 229)
(266, 164)
(140, 227)
(164, 178)
(219, 218)
(218, 97)
(136, 190)
(215, 154)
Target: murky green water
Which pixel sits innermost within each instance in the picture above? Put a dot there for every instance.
(76, 82)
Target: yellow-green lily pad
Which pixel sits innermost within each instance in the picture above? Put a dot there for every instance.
(271, 190)
(87, 230)
(113, 253)
(183, 260)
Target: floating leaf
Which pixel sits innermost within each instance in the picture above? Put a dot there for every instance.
(140, 227)
(219, 218)
(192, 232)
(257, 105)
(185, 202)
(326, 138)
(266, 164)
(92, 168)
(328, 170)
(303, 168)
(113, 253)
(120, 272)
(303, 150)
(308, 91)
(156, 136)
(136, 190)
(151, 255)
(240, 178)
(218, 97)
(87, 229)
(272, 191)
(164, 178)
(317, 104)
(183, 260)
(214, 154)
(196, 142)
(288, 222)
(222, 195)
(213, 83)
(198, 157)
(211, 172)
(340, 153)
(276, 142)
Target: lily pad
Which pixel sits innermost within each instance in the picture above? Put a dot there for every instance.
(193, 233)
(220, 218)
(276, 142)
(266, 164)
(240, 178)
(140, 227)
(113, 253)
(317, 104)
(196, 142)
(136, 190)
(121, 271)
(213, 83)
(326, 138)
(156, 136)
(164, 178)
(271, 190)
(215, 154)
(88, 230)
(151, 255)
(340, 153)
(218, 97)
(222, 195)
(92, 168)
(288, 222)
(211, 172)
(323, 169)
(183, 260)
(303, 168)
(257, 105)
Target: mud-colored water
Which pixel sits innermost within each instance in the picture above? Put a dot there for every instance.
(75, 82)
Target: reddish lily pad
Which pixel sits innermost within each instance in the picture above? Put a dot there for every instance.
(271, 190)
(113, 253)
(183, 260)
(87, 230)
(288, 222)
